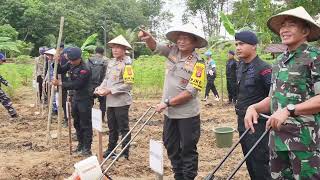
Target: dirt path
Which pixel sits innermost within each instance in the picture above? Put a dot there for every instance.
(24, 153)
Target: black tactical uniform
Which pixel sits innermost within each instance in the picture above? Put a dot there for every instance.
(231, 68)
(98, 67)
(5, 100)
(253, 84)
(81, 103)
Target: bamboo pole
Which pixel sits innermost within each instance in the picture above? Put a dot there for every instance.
(54, 75)
(60, 110)
(43, 85)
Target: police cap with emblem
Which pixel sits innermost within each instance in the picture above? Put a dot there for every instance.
(174, 33)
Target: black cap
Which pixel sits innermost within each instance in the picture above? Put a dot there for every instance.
(247, 37)
(74, 53)
(62, 45)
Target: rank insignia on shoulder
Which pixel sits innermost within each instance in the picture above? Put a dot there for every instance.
(265, 71)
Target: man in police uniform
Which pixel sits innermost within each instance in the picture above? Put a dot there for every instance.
(4, 99)
(231, 68)
(294, 99)
(117, 86)
(253, 84)
(181, 130)
(40, 64)
(81, 104)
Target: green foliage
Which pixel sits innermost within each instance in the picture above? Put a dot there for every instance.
(7, 45)
(23, 59)
(17, 75)
(148, 76)
(227, 24)
(8, 31)
(37, 21)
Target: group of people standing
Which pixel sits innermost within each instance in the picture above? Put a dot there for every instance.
(288, 91)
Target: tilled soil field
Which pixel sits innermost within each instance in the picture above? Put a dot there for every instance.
(24, 153)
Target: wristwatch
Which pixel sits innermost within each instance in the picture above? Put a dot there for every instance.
(291, 108)
(167, 102)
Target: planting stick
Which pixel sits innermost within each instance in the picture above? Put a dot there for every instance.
(43, 86)
(54, 76)
(60, 110)
(211, 175)
(68, 106)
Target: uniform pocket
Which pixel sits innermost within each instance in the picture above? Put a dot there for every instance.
(184, 76)
(250, 84)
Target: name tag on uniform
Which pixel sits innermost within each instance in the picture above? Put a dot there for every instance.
(198, 76)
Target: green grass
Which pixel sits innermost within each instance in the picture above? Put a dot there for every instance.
(17, 75)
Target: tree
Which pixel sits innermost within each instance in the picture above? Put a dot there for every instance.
(209, 14)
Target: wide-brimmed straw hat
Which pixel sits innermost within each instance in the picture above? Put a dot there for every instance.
(275, 22)
(120, 40)
(174, 33)
(51, 52)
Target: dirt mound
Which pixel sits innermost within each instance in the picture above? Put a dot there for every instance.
(24, 153)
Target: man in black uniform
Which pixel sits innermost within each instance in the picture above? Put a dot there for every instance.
(253, 84)
(97, 64)
(81, 104)
(231, 68)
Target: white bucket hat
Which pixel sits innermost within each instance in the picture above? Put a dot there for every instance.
(173, 34)
(121, 41)
(50, 52)
(274, 23)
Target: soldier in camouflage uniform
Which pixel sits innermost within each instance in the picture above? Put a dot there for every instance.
(4, 99)
(294, 99)
(40, 64)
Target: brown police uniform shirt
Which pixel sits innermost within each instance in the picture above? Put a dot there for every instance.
(178, 74)
(40, 64)
(120, 91)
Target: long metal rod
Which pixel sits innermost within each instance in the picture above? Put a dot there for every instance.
(211, 175)
(123, 149)
(247, 155)
(110, 154)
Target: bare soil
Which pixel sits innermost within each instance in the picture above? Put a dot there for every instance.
(24, 153)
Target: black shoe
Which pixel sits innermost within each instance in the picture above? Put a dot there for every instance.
(125, 155)
(78, 149)
(86, 152)
(107, 152)
(65, 124)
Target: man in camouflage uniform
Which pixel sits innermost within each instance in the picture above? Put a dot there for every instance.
(294, 99)
(4, 99)
(181, 129)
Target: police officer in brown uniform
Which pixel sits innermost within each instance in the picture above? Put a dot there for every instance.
(117, 89)
(181, 130)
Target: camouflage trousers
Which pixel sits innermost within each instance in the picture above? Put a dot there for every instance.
(6, 102)
(295, 165)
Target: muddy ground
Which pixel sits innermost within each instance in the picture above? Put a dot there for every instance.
(24, 153)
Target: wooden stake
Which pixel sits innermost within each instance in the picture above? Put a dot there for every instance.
(54, 75)
(68, 106)
(60, 110)
(100, 154)
(43, 86)
(221, 86)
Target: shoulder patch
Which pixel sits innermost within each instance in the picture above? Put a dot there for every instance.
(83, 71)
(265, 71)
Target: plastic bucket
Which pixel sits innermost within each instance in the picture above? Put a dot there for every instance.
(223, 136)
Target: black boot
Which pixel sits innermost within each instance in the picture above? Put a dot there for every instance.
(79, 148)
(107, 152)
